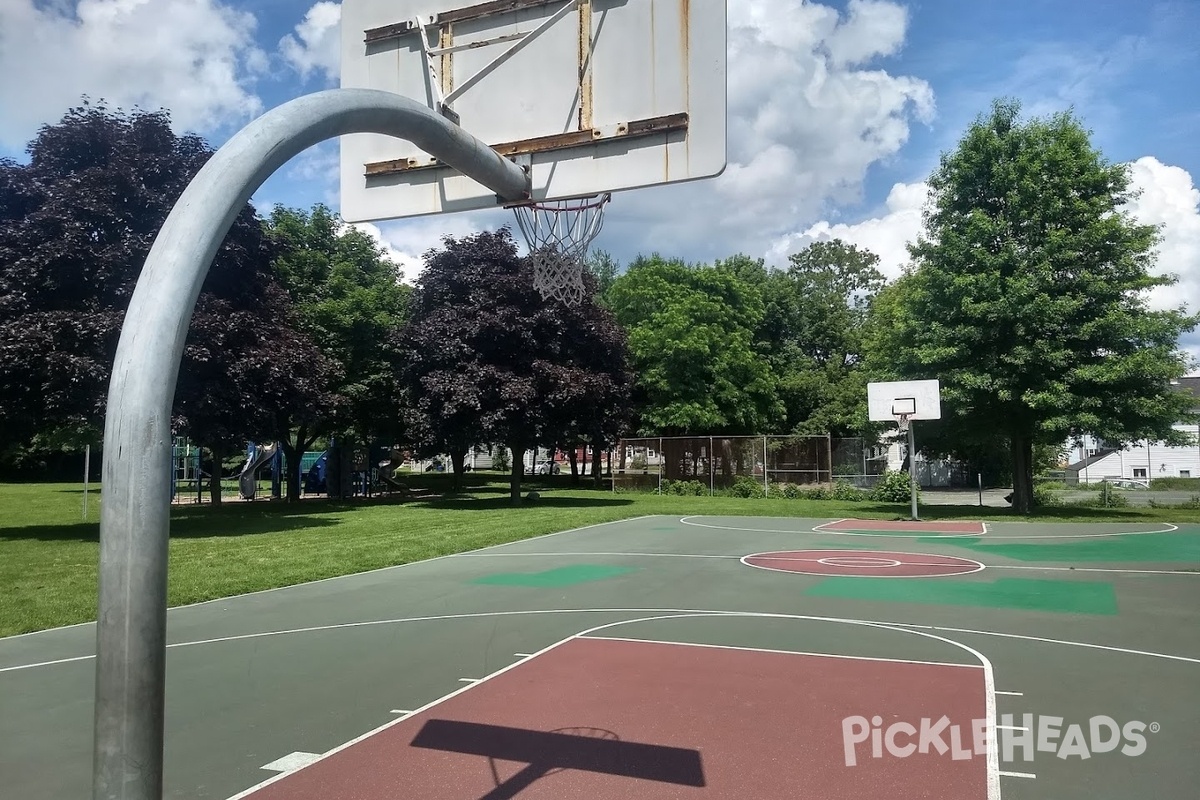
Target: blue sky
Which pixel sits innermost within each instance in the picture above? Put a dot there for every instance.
(821, 143)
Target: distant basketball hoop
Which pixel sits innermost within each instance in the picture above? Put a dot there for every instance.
(558, 234)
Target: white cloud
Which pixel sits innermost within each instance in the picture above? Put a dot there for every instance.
(407, 242)
(316, 45)
(806, 120)
(1170, 198)
(887, 235)
(190, 56)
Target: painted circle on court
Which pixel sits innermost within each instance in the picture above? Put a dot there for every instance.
(863, 563)
(859, 561)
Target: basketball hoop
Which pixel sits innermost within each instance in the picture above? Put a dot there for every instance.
(558, 234)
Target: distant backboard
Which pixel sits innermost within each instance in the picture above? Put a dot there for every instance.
(592, 95)
(918, 399)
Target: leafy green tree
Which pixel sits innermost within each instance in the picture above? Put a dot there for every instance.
(830, 287)
(604, 268)
(1028, 299)
(350, 301)
(692, 339)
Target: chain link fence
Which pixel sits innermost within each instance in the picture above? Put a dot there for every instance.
(717, 462)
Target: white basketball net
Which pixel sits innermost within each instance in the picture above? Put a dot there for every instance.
(902, 421)
(558, 234)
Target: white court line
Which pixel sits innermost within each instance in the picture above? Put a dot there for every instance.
(400, 711)
(565, 554)
(353, 574)
(977, 568)
(993, 776)
(1097, 569)
(1010, 728)
(783, 652)
(1088, 645)
(894, 535)
(1014, 694)
(573, 554)
(557, 611)
(291, 762)
(1007, 774)
(522, 655)
(469, 680)
(914, 535)
(934, 532)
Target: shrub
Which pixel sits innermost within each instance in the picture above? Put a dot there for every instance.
(788, 491)
(893, 487)
(814, 493)
(638, 462)
(1183, 484)
(843, 490)
(1046, 495)
(745, 486)
(684, 488)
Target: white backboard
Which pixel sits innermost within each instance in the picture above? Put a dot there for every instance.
(612, 95)
(886, 399)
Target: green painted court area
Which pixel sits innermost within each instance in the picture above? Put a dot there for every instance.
(1068, 597)
(555, 578)
(1066, 622)
(1176, 547)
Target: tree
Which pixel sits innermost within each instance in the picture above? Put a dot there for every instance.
(76, 225)
(350, 301)
(692, 339)
(604, 268)
(488, 360)
(1028, 299)
(830, 287)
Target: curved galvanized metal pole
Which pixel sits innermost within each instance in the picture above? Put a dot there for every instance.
(131, 626)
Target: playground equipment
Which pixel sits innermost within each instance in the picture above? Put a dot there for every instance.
(257, 457)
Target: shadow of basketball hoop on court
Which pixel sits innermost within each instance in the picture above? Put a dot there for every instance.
(547, 752)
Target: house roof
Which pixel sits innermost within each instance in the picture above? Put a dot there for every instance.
(1190, 385)
(1090, 460)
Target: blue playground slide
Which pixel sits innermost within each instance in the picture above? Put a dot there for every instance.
(257, 456)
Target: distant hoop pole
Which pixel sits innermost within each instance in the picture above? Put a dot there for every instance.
(135, 514)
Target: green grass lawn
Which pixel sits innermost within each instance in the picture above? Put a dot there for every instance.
(48, 552)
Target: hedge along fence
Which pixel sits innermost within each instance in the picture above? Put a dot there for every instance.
(892, 488)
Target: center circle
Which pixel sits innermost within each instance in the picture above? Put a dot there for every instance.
(859, 561)
(863, 563)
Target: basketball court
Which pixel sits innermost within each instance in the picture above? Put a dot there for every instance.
(650, 658)
(662, 657)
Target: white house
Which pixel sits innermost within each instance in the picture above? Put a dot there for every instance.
(1092, 461)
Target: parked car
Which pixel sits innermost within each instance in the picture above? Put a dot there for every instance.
(1125, 483)
(548, 468)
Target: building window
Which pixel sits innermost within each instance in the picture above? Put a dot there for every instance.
(1185, 473)
(1139, 472)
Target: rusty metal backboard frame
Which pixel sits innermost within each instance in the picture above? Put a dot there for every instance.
(590, 96)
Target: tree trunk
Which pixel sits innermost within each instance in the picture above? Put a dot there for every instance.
(516, 471)
(457, 463)
(1022, 473)
(573, 457)
(294, 446)
(291, 460)
(596, 476)
(214, 476)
